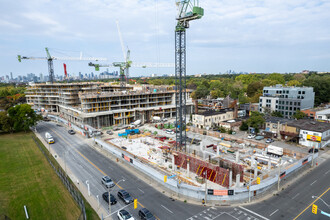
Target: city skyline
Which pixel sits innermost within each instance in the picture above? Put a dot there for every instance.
(254, 36)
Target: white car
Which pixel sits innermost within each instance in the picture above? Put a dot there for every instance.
(124, 215)
(251, 136)
(169, 131)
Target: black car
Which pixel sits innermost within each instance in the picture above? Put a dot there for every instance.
(125, 196)
(112, 198)
(145, 214)
(71, 132)
(311, 150)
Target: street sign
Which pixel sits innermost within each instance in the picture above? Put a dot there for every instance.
(314, 209)
(210, 191)
(230, 192)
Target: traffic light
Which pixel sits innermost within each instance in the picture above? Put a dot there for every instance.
(165, 179)
(135, 204)
(314, 209)
(258, 180)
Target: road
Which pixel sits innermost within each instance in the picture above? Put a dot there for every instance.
(88, 164)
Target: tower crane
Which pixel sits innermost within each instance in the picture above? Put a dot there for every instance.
(123, 66)
(50, 59)
(188, 10)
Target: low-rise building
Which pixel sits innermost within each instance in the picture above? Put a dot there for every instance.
(312, 133)
(274, 126)
(208, 119)
(319, 114)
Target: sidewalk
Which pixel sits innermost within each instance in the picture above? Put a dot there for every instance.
(100, 210)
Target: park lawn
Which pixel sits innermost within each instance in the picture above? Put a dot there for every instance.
(26, 178)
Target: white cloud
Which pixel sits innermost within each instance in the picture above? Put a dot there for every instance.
(245, 26)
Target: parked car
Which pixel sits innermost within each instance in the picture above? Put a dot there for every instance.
(71, 132)
(110, 132)
(107, 182)
(311, 150)
(113, 199)
(259, 137)
(124, 215)
(125, 196)
(251, 136)
(269, 140)
(145, 214)
(169, 131)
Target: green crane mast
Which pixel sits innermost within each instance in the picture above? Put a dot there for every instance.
(188, 10)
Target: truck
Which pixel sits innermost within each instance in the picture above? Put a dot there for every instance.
(273, 150)
(49, 138)
(156, 118)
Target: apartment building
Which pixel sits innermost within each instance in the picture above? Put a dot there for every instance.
(103, 104)
(286, 100)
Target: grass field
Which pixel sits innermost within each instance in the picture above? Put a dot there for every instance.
(26, 178)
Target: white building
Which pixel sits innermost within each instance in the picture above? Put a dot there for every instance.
(323, 115)
(312, 133)
(286, 100)
(209, 118)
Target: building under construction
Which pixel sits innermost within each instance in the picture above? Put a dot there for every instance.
(103, 104)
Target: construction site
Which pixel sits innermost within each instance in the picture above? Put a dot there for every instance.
(221, 163)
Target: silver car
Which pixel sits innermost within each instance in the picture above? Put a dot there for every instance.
(107, 182)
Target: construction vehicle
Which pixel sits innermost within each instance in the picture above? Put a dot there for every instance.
(50, 59)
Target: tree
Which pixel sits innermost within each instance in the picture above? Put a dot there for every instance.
(299, 115)
(256, 120)
(244, 126)
(23, 116)
(254, 88)
(277, 114)
(294, 83)
(321, 85)
(279, 78)
(6, 123)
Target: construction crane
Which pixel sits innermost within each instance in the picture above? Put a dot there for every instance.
(188, 10)
(50, 59)
(123, 66)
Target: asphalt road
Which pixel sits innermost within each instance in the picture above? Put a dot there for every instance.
(89, 165)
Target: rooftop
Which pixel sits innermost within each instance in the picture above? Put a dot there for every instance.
(310, 125)
(211, 112)
(277, 119)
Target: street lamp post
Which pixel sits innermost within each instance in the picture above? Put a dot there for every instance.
(321, 200)
(279, 175)
(250, 184)
(109, 200)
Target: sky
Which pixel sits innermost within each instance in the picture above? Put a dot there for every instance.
(241, 35)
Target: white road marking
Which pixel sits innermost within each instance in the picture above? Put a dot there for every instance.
(296, 195)
(228, 214)
(253, 213)
(140, 190)
(327, 172)
(313, 182)
(273, 212)
(166, 209)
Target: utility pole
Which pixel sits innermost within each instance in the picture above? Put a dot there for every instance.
(205, 174)
(250, 183)
(279, 175)
(313, 156)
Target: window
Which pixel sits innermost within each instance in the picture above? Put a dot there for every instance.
(286, 108)
(290, 108)
(294, 108)
(295, 103)
(302, 97)
(276, 106)
(286, 96)
(320, 117)
(303, 92)
(298, 97)
(276, 101)
(286, 113)
(287, 102)
(299, 92)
